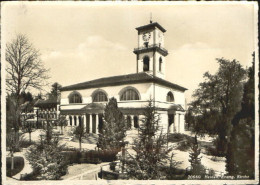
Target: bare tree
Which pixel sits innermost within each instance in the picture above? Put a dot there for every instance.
(24, 70)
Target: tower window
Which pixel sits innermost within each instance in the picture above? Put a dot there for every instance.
(160, 64)
(170, 97)
(146, 61)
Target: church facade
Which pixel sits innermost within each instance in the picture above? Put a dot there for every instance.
(84, 103)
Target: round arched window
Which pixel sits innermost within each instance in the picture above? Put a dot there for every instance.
(75, 98)
(99, 97)
(129, 94)
(146, 61)
(170, 97)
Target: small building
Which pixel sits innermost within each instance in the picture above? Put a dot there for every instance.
(84, 103)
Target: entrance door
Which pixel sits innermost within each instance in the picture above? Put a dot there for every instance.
(170, 122)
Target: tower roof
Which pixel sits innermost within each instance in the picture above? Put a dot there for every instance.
(151, 25)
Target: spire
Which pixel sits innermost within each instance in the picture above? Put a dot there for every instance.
(151, 21)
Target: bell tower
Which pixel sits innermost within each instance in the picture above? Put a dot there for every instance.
(150, 53)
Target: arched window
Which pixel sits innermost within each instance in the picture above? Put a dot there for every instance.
(170, 97)
(146, 61)
(160, 64)
(75, 98)
(129, 94)
(99, 97)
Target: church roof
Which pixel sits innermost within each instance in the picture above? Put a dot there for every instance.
(122, 80)
(151, 25)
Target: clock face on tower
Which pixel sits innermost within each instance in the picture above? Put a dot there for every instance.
(146, 36)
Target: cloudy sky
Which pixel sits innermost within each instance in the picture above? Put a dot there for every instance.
(81, 42)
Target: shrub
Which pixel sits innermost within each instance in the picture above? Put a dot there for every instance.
(112, 166)
(18, 166)
(91, 156)
(26, 143)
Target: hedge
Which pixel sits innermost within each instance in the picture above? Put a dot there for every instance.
(18, 166)
(92, 156)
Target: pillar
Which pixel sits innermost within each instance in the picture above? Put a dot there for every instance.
(84, 121)
(97, 121)
(132, 122)
(90, 123)
(72, 116)
(175, 123)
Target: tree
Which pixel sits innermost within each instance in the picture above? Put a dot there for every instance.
(195, 160)
(55, 90)
(47, 160)
(113, 131)
(24, 70)
(151, 152)
(28, 128)
(240, 156)
(218, 98)
(79, 133)
(62, 122)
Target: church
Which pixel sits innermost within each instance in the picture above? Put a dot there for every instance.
(84, 103)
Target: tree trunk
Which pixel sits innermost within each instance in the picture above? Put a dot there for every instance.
(80, 145)
(30, 137)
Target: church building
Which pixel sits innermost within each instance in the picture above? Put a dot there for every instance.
(84, 103)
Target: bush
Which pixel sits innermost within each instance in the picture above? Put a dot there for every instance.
(112, 166)
(18, 166)
(29, 176)
(91, 156)
(183, 146)
(26, 143)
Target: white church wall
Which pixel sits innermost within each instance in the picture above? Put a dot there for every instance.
(161, 94)
(145, 90)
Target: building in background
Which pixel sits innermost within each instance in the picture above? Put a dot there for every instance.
(84, 103)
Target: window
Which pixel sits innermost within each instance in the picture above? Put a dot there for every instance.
(170, 97)
(160, 64)
(75, 98)
(99, 97)
(129, 94)
(146, 61)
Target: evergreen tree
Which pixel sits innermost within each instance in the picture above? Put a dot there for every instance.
(195, 160)
(240, 156)
(150, 147)
(79, 133)
(113, 131)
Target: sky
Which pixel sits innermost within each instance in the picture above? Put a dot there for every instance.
(80, 42)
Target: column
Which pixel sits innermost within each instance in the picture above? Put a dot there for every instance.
(132, 122)
(97, 121)
(84, 121)
(72, 116)
(179, 123)
(90, 123)
(175, 123)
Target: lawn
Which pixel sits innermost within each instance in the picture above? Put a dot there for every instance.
(18, 166)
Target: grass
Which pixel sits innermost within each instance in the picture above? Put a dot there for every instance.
(18, 166)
